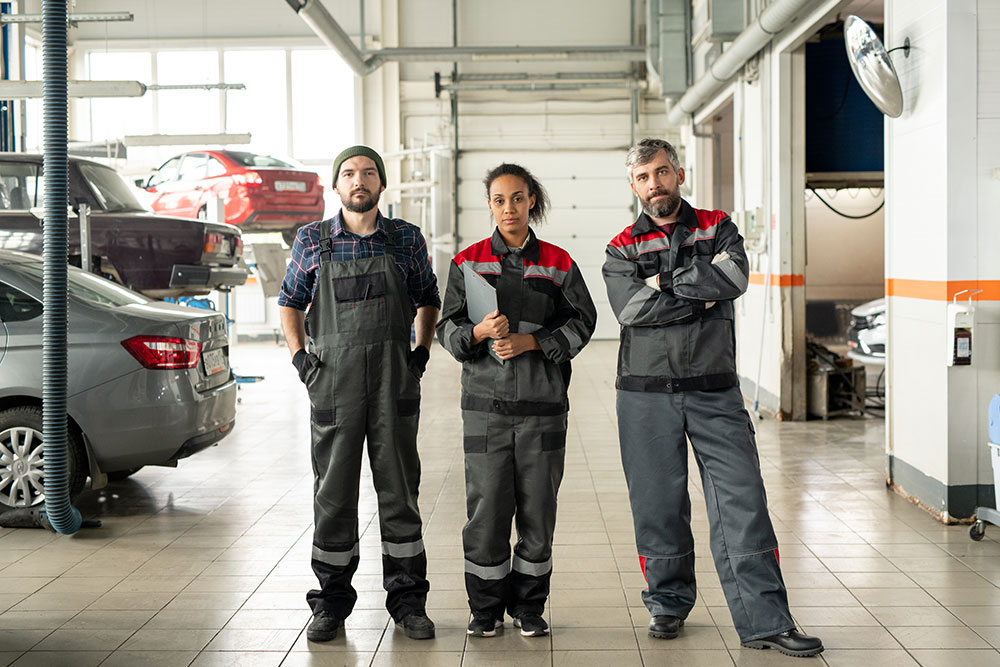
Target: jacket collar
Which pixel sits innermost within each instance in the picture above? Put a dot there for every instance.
(644, 224)
(338, 228)
(531, 251)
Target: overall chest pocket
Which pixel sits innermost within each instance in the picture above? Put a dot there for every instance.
(360, 301)
(364, 287)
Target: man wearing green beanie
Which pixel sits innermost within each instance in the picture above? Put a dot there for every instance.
(365, 280)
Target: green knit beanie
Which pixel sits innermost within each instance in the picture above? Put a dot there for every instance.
(355, 151)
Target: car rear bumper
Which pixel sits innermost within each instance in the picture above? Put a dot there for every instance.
(279, 219)
(153, 417)
(200, 277)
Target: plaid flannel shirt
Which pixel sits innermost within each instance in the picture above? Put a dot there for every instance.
(299, 285)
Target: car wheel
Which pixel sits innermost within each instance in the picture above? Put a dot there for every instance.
(203, 213)
(119, 475)
(21, 459)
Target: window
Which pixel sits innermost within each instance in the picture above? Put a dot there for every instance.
(187, 111)
(251, 160)
(89, 287)
(18, 181)
(113, 193)
(215, 168)
(167, 172)
(16, 306)
(262, 108)
(113, 118)
(322, 114)
(193, 167)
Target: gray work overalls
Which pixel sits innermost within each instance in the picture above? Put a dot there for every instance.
(359, 325)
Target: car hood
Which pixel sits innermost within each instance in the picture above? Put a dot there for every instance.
(868, 309)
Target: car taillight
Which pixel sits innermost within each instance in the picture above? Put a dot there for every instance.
(215, 242)
(163, 352)
(249, 178)
(238, 248)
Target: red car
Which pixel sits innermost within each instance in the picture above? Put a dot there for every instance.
(259, 193)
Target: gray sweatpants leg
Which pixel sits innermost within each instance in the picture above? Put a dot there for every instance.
(652, 428)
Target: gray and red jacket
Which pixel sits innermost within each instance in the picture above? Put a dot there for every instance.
(670, 341)
(542, 292)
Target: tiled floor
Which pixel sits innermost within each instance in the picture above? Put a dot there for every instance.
(208, 563)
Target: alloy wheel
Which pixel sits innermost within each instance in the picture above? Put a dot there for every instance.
(21, 470)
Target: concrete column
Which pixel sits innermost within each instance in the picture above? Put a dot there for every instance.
(942, 236)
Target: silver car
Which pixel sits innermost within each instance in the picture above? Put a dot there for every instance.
(149, 382)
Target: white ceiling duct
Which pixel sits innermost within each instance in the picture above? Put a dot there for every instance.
(770, 22)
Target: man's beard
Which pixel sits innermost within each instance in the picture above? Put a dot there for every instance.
(663, 208)
(362, 206)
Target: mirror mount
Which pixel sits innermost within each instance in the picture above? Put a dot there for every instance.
(905, 47)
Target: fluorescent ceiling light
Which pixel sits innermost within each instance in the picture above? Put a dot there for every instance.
(19, 90)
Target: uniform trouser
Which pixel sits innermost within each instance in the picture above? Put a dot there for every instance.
(359, 393)
(513, 467)
(652, 429)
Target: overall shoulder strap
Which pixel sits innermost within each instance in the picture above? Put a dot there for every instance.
(390, 235)
(325, 243)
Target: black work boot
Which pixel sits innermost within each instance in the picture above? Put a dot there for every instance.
(791, 642)
(416, 625)
(665, 627)
(323, 627)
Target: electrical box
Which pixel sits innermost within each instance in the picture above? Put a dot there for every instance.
(753, 227)
(717, 20)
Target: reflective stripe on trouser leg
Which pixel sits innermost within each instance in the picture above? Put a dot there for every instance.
(654, 458)
(742, 536)
(489, 497)
(539, 456)
(393, 417)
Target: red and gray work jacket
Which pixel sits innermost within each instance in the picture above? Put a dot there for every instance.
(541, 291)
(679, 337)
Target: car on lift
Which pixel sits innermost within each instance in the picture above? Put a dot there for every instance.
(259, 193)
(149, 382)
(867, 332)
(156, 255)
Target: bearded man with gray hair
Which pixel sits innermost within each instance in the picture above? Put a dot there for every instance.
(672, 278)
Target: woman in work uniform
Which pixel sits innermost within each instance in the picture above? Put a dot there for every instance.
(514, 401)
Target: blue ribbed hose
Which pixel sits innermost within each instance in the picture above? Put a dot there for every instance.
(60, 512)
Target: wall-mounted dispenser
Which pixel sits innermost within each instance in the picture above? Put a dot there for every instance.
(960, 320)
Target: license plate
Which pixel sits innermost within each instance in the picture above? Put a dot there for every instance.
(289, 186)
(214, 361)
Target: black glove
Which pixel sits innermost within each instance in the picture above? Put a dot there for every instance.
(417, 360)
(303, 361)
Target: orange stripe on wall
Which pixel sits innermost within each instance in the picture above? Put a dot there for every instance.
(942, 290)
(780, 279)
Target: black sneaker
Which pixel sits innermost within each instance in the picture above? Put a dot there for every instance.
(484, 625)
(416, 625)
(532, 625)
(791, 642)
(323, 627)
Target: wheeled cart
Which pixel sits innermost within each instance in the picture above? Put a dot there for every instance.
(985, 515)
